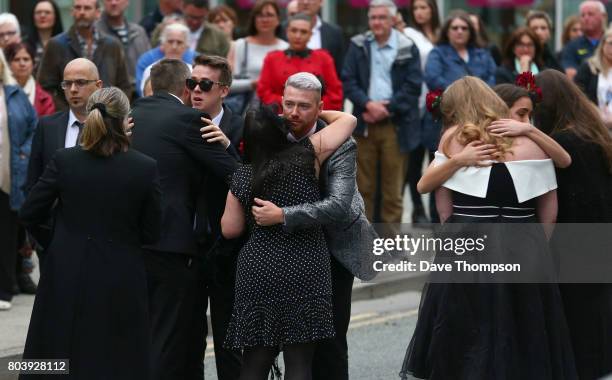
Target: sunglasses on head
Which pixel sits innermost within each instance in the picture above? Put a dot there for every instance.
(205, 84)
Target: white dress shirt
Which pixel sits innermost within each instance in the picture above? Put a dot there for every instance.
(315, 38)
(72, 132)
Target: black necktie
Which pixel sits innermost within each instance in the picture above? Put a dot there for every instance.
(79, 125)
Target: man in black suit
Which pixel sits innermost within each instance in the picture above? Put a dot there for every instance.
(168, 131)
(61, 130)
(209, 84)
(324, 35)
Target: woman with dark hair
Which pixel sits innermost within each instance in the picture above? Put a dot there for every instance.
(585, 196)
(283, 280)
(541, 25)
(91, 304)
(482, 38)
(45, 22)
(225, 18)
(280, 65)
(423, 30)
(248, 53)
(480, 326)
(572, 29)
(522, 53)
(20, 58)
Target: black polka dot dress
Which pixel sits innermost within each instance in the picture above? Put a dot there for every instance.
(283, 280)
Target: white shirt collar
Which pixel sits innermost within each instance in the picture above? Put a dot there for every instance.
(179, 99)
(71, 118)
(311, 132)
(319, 24)
(217, 119)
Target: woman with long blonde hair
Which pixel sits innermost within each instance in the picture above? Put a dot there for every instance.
(477, 325)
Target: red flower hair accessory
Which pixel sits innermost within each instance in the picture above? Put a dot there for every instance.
(527, 81)
(433, 99)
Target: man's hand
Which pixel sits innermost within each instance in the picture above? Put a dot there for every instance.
(377, 109)
(130, 125)
(212, 133)
(267, 213)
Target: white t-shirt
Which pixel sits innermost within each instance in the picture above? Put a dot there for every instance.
(604, 91)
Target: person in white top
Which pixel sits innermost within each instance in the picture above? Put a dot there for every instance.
(424, 21)
(248, 53)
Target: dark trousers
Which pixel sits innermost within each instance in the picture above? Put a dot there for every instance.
(221, 305)
(330, 360)
(8, 248)
(177, 315)
(413, 176)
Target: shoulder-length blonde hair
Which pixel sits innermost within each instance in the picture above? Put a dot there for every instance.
(597, 63)
(471, 105)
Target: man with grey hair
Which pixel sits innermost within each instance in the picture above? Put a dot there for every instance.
(84, 40)
(382, 77)
(168, 131)
(593, 19)
(174, 43)
(10, 31)
(341, 212)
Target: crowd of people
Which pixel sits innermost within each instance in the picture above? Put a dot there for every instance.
(210, 164)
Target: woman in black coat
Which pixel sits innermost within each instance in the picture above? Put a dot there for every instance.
(523, 52)
(91, 305)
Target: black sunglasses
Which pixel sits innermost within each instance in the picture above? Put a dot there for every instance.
(205, 84)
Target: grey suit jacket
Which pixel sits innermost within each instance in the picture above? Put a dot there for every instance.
(341, 212)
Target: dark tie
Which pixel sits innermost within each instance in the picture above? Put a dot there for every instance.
(79, 125)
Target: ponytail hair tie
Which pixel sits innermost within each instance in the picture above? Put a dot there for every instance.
(100, 107)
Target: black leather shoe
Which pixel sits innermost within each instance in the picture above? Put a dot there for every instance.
(26, 285)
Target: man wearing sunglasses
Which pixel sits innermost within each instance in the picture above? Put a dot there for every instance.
(208, 86)
(168, 131)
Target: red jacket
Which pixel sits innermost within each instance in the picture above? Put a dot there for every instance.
(277, 67)
(43, 102)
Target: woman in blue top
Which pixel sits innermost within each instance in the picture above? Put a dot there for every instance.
(455, 56)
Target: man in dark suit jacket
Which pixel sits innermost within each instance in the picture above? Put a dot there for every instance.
(324, 34)
(169, 131)
(61, 130)
(211, 77)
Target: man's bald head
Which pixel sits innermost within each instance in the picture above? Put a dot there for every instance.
(84, 66)
(81, 79)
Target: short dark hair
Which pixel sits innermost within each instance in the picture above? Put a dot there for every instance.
(11, 51)
(217, 63)
(197, 3)
(463, 16)
(301, 17)
(169, 75)
(256, 10)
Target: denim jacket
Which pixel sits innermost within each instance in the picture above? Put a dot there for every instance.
(407, 79)
(21, 125)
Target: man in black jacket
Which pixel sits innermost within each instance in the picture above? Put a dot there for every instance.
(61, 130)
(168, 131)
(209, 84)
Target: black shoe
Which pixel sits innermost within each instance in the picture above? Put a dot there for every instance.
(26, 285)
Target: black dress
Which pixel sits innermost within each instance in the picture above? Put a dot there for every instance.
(91, 304)
(482, 331)
(585, 196)
(283, 280)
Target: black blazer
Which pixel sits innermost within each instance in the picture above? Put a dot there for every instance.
(587, 81)
(169, 132)
(211, 201)
(50, 136)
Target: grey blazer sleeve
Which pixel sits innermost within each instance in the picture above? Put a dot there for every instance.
(340, 189)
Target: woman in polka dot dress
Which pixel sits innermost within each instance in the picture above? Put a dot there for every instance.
(283, 280)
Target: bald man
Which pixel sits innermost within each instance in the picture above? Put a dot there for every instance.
(61, 130)
(593, 18)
